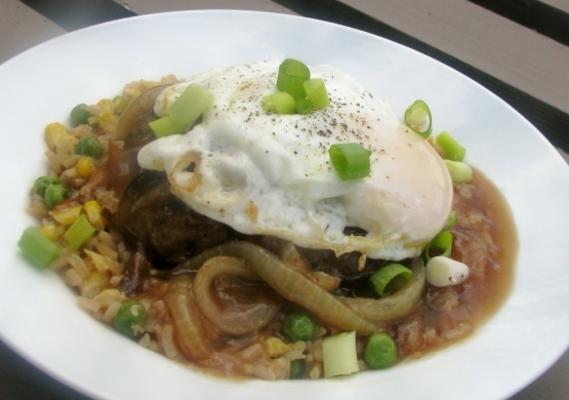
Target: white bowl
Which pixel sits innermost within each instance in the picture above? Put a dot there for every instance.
(40, 318)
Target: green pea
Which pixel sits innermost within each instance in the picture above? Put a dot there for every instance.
(54, 194)
(41, 184)
(299, 326)
(79, 114)
(297, 369)
(380, 351)
(130, 318)
(89, 146)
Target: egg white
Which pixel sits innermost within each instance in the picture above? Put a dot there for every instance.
(262, 173)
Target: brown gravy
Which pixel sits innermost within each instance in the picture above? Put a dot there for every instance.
(485, 239)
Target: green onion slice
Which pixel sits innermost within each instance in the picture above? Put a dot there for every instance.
(192, 103)
(38, 249)
(279, 103)
(316, 93)
(339, 354)
(460, 172)
(79, 232)
(451, 221)
(292, 74)
(441, 245)
(164, 127)
(418, 118)
(350, 160)
(390, 278)
(304, 106)
(452, 150)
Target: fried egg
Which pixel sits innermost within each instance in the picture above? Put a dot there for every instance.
(269, 174)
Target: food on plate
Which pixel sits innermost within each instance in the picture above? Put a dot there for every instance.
(269, 220)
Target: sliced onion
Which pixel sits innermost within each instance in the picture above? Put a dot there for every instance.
(138, 113)
(395, 306)
(291, 285)
(189, 332)
(248, 319)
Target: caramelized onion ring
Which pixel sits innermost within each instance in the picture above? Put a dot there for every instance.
(189, 332)
(291, 285)
(248, 320)
(137, 112)
(395, 306)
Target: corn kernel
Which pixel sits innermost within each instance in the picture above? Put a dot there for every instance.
(107, 120)
(51, 231)
(85, 167)
(93, 210)
(67, 215)
(54, 134)
(275, 347)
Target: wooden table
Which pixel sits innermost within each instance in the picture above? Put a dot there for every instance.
(521, 54)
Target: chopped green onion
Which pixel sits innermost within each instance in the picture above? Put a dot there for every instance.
(380, 351)
(292, 74)
(297, 369)
(189, 107)
(79, 114)
(451, 221)
(279, 103)
(441, 245)
(89, 146)
(163, 126)
(79, 232)
(299, 326)
(316, 92)
(130, 319)
(304, 106)
(452, 150)
(339, 355)
(41, 183)
(418, 118)
(390, 278)
(350, 160)
(38, 249)
(54, 194)
(460, 172)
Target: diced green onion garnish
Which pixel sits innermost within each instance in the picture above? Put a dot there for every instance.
(79, 232)
(304, 106)
(350, 160)
(452, 150)
(316, 92)
(418, 118)
(451, 221)
(297, 369)
(339, 356)
(163, 126)
(38, 249)
(441, 245)
(390, 278)
(89, 146)
(279, 103)
(130, 319)
(41, 183)
(192, 103)
(79, 114)
(292, 74)
(460, 172)
(380, 351)
(54, 194)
